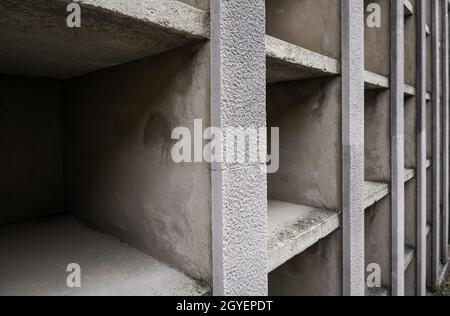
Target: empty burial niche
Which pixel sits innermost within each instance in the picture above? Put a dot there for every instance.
(304, 103)
(92, 202)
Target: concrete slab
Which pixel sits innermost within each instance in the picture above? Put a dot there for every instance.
(410, 252)
(287, 61)
(295, 228)
(374, 192)
(36, 40)
(374, 81)
(410, 91)
(409, 8)
(35, 255)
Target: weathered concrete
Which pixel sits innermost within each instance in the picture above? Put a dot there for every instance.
(421, 148)
(310, 110)
(377, 136)
(38, 253)
(397, 47)
(377, 60)
(286, 61)
(378, 239)
(119, 172)
(285, 19)
(294, 228)
(352, 32)
(31, 148)
(37, 42)
(239, 191)
(410, 46)
(315, 272)
(374, 81)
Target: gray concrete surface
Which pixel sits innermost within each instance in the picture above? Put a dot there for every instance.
(37, 42)
(38, 253)
(285, 19)
(119, 172)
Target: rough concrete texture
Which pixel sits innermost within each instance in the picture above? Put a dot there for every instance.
(353, 146)
(286, 61)
(410, 278)
(377, 136)
(285, 19)
(377, 60)
(315, 272)
(374, 192)
(119, 172)
(374, 81)
(239, 190)
(294, 228)
(39, 252)
(305, 112)
(31, 148)
(37, 42)
(410, 47)
(378, 238)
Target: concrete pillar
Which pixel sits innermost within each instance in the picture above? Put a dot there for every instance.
(397, 148)
(353, 146)
(238, 99)
(445, 130)
(436, 72)
(421, 87)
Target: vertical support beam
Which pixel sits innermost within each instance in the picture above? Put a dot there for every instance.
(239, 190)
(397, 148)
(353, 146)
(421, 84)
(436, 71)
(445, 131)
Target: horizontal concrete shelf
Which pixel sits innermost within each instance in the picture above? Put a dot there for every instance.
(376, 191)
(39, 252)
(112, 32)
(427, 30)
(374, 81)
(295, 228)
(410, 90)
(428, 96)
(409, 8)
(410, 252)
(287, 62)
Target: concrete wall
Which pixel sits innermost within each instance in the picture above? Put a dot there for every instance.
(308, 114)
(31, 148)
(119, 172)
(410, 48)
(377, 136)
(298, 22)
(316, 272)
(377, 59)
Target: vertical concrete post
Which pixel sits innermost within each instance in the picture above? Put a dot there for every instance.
(445, 130)
(436, 71)
(421, 84)
(353, 146)
(397, 148)
(239, 190)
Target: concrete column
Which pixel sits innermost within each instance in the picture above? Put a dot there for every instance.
(421, 84)
(445, 130)
(353, 146)
(238, 99)
(436, 72)
(397, 148)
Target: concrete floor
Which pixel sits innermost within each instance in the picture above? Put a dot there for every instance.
(38, 253)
